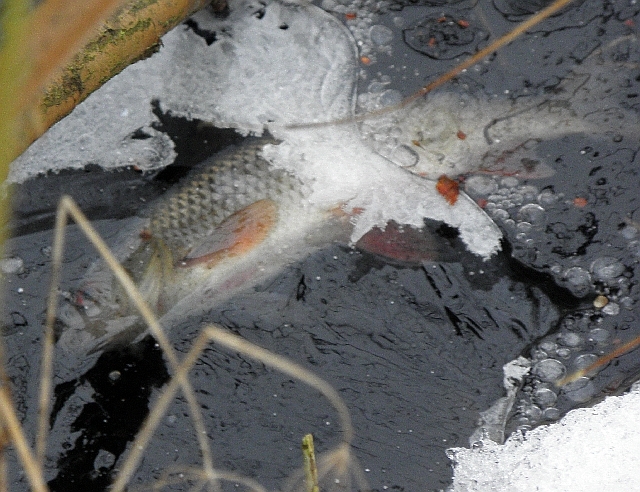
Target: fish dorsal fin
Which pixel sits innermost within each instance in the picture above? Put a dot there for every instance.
(236, 235)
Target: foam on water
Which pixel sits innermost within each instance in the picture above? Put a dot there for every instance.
(599, 443)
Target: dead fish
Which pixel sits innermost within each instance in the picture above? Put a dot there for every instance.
(235, 221)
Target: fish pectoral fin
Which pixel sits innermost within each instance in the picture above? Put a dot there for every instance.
(406, 244)
(236, 235)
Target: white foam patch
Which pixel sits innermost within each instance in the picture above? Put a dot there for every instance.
(591, 449)
(345, 171)
(99, 131)
(272, 62)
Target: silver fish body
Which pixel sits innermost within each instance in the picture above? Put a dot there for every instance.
(235, 212)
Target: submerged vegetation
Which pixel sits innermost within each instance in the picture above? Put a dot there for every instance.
(23, 119)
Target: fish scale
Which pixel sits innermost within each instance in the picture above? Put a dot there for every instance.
(237, 179)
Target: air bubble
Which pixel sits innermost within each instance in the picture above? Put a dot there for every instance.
(634, 247)
(104, 460)
(12, 265)
(529, 193)
(580, 391)
(404, 156)
(516, 198)
(376, 87)
(612, 309)
(629, 232)
(548, 346)
(551, 413)
(547, 197)
(380, 35)
(549, 370)
(545, 397)
(509, 182)
(627, 302)
(390, 97)
(524, 226)
(570, 339)
(500, 214)
(532, 213)
(534, 412)
(585, 360)
(606, 268)
(578, 281)
(481, 185)
(598, 335)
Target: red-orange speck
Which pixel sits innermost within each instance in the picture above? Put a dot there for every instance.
(461, 135)
(463, 23)
(448, 188)
(580, 202)
(350, 16)
(365, 60)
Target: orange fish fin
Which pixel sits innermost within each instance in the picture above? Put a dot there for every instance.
(404, 244)
(236, 235)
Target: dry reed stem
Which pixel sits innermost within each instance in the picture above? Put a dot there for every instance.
(130, 34)
(64, 72)
(32, 468)
(600, 362)
(66, 208)
(59, 28)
